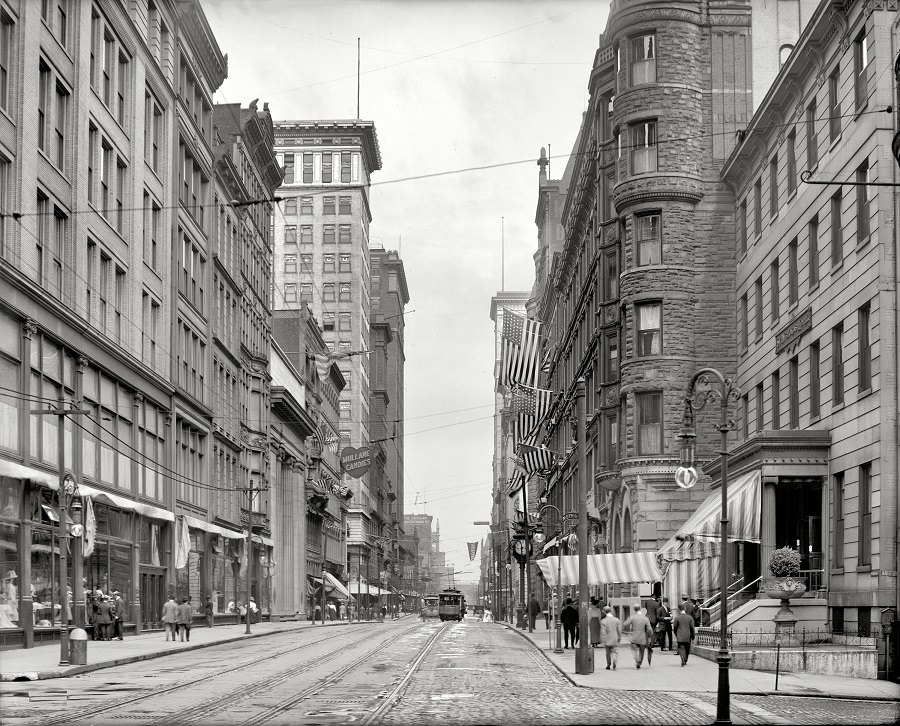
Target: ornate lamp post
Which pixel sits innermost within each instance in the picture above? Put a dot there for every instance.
(558, 600)
(707, 385)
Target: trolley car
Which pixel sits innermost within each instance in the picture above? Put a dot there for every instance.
(430, 606)
(452, 605)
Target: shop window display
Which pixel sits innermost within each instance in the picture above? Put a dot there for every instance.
(9, 590)
(188, 579)
(45, 579)
(151, 543)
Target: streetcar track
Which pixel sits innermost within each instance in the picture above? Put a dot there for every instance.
(67, 717)
(335, 676)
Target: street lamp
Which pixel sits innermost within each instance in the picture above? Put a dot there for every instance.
(380, 542)
(699, 392)
(558, 600)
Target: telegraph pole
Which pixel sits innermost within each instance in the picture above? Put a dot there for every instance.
(584, 656)
(249, 555)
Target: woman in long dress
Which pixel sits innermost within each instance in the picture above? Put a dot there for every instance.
(595, 612)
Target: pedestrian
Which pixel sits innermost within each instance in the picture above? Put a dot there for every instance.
(184, 615)
(684, 633)
(118, 615)
(569, 619)
(342, 612)
(104, 616)
(170, 616)
(534, 609)
(317, 613)
(545, 608)
(208, 611)
(664, 624)
(254, 610)
(595, 614)
(610, 635)
(652, 610)
(696, 613)
(687, 604)
(641, 636)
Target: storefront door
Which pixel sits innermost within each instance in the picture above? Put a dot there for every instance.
(153, 595)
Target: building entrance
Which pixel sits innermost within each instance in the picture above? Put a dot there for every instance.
(798, 524)
(153, 595)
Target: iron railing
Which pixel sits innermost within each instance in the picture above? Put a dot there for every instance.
(801, 637)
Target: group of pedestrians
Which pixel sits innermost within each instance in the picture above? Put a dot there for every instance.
(105, 615)
(178, 618)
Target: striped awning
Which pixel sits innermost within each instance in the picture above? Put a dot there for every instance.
(602, 569)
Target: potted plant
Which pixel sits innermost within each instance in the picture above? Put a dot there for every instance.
(784, 564)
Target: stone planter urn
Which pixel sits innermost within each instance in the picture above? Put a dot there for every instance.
(784, 564)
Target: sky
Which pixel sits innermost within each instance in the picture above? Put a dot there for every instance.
(463, 96)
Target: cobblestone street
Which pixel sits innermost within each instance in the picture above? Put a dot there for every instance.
(395, 673)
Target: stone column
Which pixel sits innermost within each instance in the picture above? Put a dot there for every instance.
(767, 528)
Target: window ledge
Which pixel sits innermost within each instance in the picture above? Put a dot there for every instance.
(814, 288)
(865, 393)
(835, 407)
(838, 268)
(863, 241)
(837, 571)
(792, 194)
(837, 140)
(864, 568)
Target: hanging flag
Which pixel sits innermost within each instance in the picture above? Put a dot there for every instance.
(524, 431)
(520, 350)
(90, 527)
(536, 458)
(473, 550)
(327, 438)
(529, 401)
(183, 545)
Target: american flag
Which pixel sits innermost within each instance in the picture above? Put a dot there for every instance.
(531, 401)
(536, 458)
(519, 350)
(327, 438)
(516, 482)
(524, 430)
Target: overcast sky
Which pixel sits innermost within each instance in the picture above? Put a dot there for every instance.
(451, 86)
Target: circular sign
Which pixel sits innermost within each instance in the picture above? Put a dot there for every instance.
(686, 476)
(356, 462)
(77, 530)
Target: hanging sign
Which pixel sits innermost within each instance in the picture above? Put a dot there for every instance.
(356, 462)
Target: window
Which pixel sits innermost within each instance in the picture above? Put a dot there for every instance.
(776, 400)
(784, 52)
(345, 167)
(120, 195)
(792, 162)
(837, 364)
(837, 548)
(758, 303)
(306, 292)
(194, 184)
(306, 263)
(344, 263)
(153, 124)
(643, 59)
(328, 234)
(815, 376)
(149, 327)
(290, 234)
(59, 127)
(865, 348)
(306, 205)
(773, 187)
(103, 289)
(193, 271)
(344, 292)
(6, 45)
(643, 147)
(775, 290)
(649, 328)
(343, 321)
(328, 205)
(288, 168)
(742, 227)
(328, 263)
(327, 321)
(612, 357)
(152, 213)
(794, 393)
(328, 292)
(837, 232)
(744, 323)
(306, 234)
(344, 206)
(834, 106)
(812, 137)
(611, 276)
(757, 208)
(327, 166)
(290, 264)
(865, 515)
(43, 105)
(745, 416)
(813, 241)
(344, 410)
(793, 289)
(121, 87)
(290, 292)
(649, 242)
(4, 199)
(307, 168)
(760, 406)
(290, 207)
(119, 305)
(649, 423)
(91, 162)
(860, 73)
(344, 234)
(863, 212)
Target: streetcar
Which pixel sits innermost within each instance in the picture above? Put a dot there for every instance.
(452, 605)
(430, 606)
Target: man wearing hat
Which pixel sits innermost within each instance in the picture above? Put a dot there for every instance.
(118, 615)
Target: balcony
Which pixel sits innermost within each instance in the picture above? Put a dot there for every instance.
(260, 521)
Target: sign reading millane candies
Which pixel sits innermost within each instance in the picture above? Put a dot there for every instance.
(356, 462)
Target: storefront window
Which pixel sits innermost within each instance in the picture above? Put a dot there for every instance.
(151, 543)
(224, 582)
(9, 591)
(45, 579)
(188, 579)
(10, 496)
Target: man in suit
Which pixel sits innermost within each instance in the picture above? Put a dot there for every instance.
(684, 634)
(170, 616)
(687, 604)
(118, 615)
(569, 619)
(641, 635)
(652, 606)
(610, 635)
(664, 624)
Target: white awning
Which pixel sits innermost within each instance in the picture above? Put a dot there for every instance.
(338, 585)
(549, 545)
(19, 471)
(147, 510)
(214, 528)
(602, 569)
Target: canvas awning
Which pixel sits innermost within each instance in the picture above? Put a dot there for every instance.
(373, 589)
(602, 569)
(338, 585)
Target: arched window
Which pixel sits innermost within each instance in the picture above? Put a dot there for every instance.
(627, 538)
(784, 53)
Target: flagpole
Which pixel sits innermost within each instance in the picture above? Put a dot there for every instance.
(502, 256)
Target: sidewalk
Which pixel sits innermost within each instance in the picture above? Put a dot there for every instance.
(701, 675)
(42, 661)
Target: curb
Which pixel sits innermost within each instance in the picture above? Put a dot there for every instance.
(79, 670)
(801, 694)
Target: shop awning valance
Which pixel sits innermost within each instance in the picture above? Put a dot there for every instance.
(20, 471)
(373, 589)
(603, 569)
(338, 585)
(195, 523)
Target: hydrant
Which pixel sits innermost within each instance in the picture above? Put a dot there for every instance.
(78, 641)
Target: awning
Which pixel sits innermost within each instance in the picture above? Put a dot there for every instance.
(551, 544)
(214, 528)
(19, 471)
(602, 569)
(338, 585)
(373, 590)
